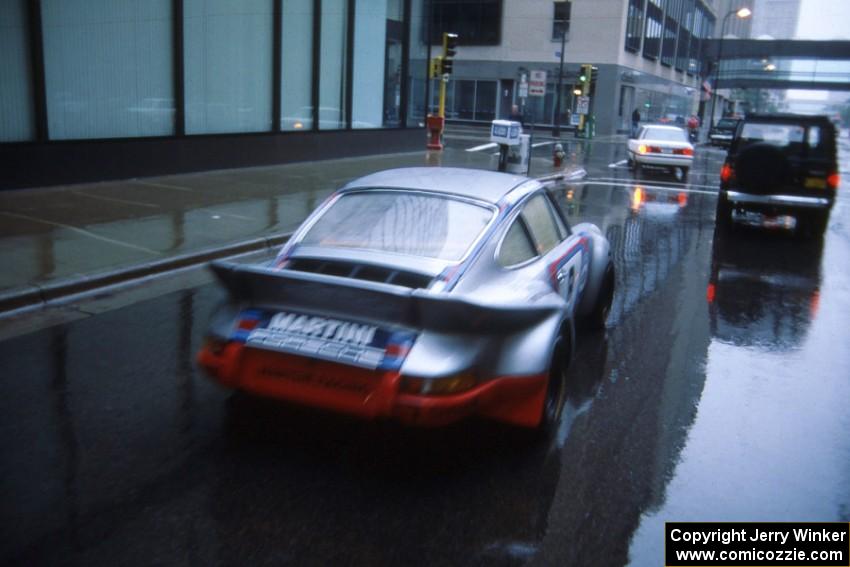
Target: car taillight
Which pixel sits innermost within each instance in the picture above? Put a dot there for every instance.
(684, 152)
(833, 181)
(726, 173)
(642, 149)
(247, 324)
(452, 384)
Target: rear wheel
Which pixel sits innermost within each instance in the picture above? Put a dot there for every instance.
(602, 308)
(556, 389)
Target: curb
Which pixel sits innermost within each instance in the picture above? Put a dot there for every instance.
(31, 295)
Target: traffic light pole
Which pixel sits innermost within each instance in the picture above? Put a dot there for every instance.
(441, 66)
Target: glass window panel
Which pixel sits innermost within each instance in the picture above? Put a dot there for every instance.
(477, 22)
(296, 93)
(228, 65)
(377, 64)
(538, 216)
(516, 247)
(392, 63)
(401, 222)
(652, 36)
(485, 100)
(561, 19)
(332, 74)
(634, 25)
(108, 68)
(417, 67)
(16, 107)
(464, 102)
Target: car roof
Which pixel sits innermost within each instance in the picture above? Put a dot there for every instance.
(663, 126)
(477, 184)
(786, 117)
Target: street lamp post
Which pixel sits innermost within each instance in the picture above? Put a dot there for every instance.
(556, 129)
(741, 13)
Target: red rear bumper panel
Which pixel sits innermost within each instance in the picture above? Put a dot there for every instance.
(370, 394)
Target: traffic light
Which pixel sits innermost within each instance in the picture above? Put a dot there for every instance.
(449, 45)
(446, 66)
(594, 74)
(436, 67)
(577, 90)
(585, 76)
(449, 51)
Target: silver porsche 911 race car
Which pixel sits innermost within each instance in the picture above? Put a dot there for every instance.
(423, 295)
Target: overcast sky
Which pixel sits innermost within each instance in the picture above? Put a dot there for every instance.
(821, 19)
(824, 19)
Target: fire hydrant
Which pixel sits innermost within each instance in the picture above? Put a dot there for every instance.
(558, 155)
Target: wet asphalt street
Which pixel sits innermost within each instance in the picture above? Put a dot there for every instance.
(718, 392)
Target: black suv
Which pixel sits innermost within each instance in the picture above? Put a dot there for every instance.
(780, 165)
(721, 134)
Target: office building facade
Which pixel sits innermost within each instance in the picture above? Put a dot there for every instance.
(100, 90)
(647, 52)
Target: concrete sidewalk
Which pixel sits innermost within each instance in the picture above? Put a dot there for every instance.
(60, 241)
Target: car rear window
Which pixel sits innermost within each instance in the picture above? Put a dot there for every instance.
(401, 222)
(793, 138)
(727, 124)
(665, 135)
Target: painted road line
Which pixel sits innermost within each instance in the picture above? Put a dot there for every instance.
(83, 232)
(115, 200)
(482, 147)
(162, 185)
(618, 163)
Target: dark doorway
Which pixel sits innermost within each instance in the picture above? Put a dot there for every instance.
(506, 97)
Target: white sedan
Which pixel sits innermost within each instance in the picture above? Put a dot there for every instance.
(661, 146)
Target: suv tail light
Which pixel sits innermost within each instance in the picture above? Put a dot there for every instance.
(726, 173)
(833, 181)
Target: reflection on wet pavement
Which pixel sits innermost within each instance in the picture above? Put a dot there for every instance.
(694, 405)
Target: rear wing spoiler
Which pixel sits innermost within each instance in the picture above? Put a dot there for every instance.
(273, 289)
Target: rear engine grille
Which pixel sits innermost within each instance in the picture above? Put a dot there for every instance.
(360, 272)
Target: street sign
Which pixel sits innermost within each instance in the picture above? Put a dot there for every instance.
(523, 90)
(537, 83)
(583, 105)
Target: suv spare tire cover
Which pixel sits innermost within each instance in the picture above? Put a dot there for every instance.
(762, 167)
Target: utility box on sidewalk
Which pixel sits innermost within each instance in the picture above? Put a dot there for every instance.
(518, 156)
(508, 134)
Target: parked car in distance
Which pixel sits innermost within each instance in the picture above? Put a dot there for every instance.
(661, 146)
(780, 168)
(721, 134)
(422, 295)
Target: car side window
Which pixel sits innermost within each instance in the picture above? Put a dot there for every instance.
(516, 247)
(540, 218)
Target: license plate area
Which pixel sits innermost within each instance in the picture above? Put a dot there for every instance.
(815, 183)
(762, 220)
